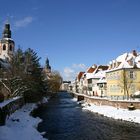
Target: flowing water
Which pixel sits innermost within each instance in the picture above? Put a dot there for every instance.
(64, 119)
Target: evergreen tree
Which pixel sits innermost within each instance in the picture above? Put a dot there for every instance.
(34, 79)
(23, 76)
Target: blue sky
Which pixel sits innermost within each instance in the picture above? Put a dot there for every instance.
(74, 34)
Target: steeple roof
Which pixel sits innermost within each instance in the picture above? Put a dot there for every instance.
(47, 64)
(7, 31)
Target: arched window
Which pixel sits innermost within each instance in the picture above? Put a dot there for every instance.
(10, 47)
(4, 47)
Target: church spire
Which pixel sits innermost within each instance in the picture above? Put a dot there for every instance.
(47, 64)
(48, 67)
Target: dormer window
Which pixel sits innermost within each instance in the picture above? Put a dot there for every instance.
(4, 47)
(130, 62)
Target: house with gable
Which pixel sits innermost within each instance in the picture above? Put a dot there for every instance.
(123, 76)
(79, 82)
(96, 81)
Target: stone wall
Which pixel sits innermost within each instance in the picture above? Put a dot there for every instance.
(7, 108)
(117, 104)
(102, 101)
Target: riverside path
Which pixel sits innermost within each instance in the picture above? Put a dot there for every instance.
(64, 119)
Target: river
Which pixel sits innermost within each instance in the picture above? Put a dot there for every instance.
(64, 119)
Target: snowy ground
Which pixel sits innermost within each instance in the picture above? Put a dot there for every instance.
(21, 126)
(112, 112)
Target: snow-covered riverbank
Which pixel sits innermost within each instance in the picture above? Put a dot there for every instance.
(116, 113)
(21, 126)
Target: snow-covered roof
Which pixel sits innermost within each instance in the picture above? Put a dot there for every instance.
(97, 74)
(121, 57)
(126, 60)
(89, 75)
(100, 74)
(130, 56)
(124, 64)
(8, 39)
(137, 59)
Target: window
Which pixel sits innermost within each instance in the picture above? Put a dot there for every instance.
(4, 47)
(132, 89)
(89, 88)
(89, 81)
(132, 74)
(10, 47)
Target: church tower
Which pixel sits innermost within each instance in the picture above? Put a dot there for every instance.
(7, 45)
(48, 67)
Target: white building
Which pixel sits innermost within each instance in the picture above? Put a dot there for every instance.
(97, 81)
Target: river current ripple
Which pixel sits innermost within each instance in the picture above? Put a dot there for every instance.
(64, 119)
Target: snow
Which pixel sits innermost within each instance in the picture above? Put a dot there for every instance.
(137, 93)
(124, 58)
(130, 56)
(8, 39)
(102, 80)
(96, 74)
(121, 58)
(116, 113)
(137, 59)
(21, 126)
(124, 64)
(44, 100)
(4, 103)
(89, 75)
(100, 74)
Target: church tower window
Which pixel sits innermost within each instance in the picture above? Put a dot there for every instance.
(4, 47)
(10, 47)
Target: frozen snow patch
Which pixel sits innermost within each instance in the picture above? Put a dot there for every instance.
(21, 126)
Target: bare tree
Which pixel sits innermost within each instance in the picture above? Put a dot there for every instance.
(12, 74)
(54, 82)
(125, 83)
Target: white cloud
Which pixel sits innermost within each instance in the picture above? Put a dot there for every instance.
(23, 22)
(70, 72)
(79, 66)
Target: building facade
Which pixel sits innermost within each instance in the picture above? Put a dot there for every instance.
(123, 76)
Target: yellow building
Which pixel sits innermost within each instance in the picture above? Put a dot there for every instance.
(123, 76)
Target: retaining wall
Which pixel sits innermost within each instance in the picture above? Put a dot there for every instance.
(117, 104)
(102, 101)
(8, 107)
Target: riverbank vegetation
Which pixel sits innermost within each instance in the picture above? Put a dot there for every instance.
(23, 76)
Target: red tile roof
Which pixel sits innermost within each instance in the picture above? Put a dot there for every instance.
(80, 75)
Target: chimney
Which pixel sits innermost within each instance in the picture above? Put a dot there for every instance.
(134, 52)
(94, 66)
